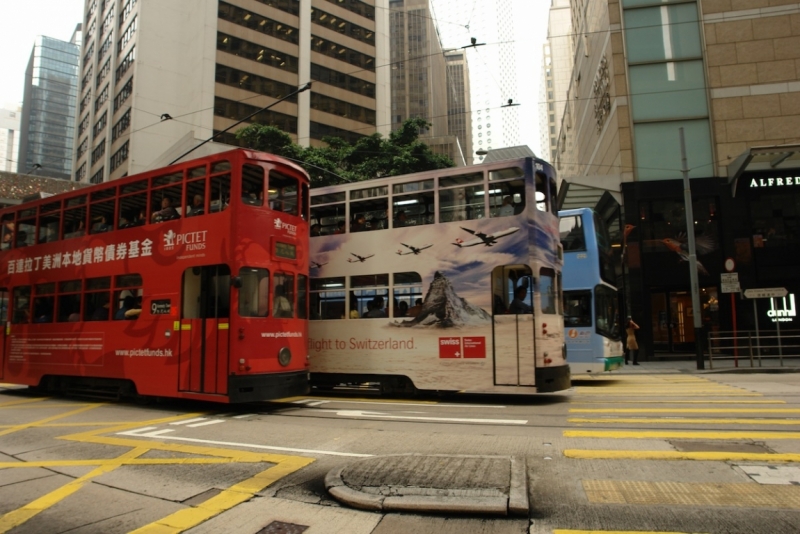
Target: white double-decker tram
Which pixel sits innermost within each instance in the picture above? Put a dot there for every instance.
(445, 280)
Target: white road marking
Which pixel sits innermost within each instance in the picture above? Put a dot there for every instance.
(243, 416)
(160, 434)
(427, 405)
(212, 422)
(187, 421)
(380, 415)
(317, 403)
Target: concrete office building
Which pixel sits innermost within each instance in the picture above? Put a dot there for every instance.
(48, 107)
(458, 100)
(557, 64)
(728, 75)
(158, 77)
(9, 138)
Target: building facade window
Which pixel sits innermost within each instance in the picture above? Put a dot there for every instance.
(119, 156)
(259, 23)
(256, 52)
(102, 98)
(122, 124)
(99, 151)
(125, 64)
(80, 174)
(100, 125)
(97, 178)
(101, 75)
(127, 35)
(344, 27)
(123, 94)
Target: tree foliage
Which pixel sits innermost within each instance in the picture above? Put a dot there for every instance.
(369, 157)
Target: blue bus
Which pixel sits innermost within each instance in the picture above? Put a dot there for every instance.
(591, 304)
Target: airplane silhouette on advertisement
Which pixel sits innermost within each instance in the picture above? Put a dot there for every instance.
(315, 265)
(358, 259)
(482, 238)
(411, 249)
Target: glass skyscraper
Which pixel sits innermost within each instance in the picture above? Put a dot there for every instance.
(48, 109)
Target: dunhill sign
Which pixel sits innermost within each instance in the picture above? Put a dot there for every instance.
(774, 182)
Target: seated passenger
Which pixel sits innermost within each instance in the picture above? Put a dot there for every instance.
(101, 225)
(22, 239)
(100, 313)
(197, 207)
(166, 213)
(359, 224)
(128, 309)
(400, 219)
(281, 307)
(518, 305)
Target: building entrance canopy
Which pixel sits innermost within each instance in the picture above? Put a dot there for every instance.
(763, 158)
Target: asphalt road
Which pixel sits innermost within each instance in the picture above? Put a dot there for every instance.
(633, 453)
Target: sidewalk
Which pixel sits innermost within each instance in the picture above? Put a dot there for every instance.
(770, 365)
(487, 485)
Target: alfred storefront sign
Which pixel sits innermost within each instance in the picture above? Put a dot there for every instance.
(763, 183)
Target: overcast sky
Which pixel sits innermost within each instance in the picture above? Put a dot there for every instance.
(22, 20)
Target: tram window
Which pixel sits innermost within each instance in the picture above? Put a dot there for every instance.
(44, 302)
(7, 231)
(254, 293)
(197, 172)
(302, 296)
(283, 296)
(461, 179)
(407, 289)
(102, 216)
(506, 199)
(196, 198)
(331, 218)
(220, 191)
(541, 191)
(220, 166)
(412, 187)
(3, 305)
(97, 299)
(127, 296)
(283, 191)
(552, 193)
(546, 288)
(577, 308)
(69, 301)
(22, 305)
(133, 187)
(253, 185)
(304, 211)
(74, 222)
(49, 222)
(461, 203)
(26, 231)
(165, 203)
(327, 298)
(370, 294)
(412, 210)
(369, 215)
(504, 174)
(132, 210)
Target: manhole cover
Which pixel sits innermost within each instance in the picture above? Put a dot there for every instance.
(279, 527)
(773, 474)
(719, 446)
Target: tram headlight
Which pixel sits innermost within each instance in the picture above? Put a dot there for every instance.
(284, 356)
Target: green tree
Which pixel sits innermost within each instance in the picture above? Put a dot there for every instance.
(370, 157)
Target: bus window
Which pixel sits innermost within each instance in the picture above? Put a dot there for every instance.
(132, 205)
(44, 302)
(371, 293)
(253, 185)
(26, 228)
(22, 305)
(327, 298)
(302, 296)
(97, 299)
(547, 291)
(578, 308)
(407, 288)
(196, 197)
(220, 189)
(165, 200)
(283, 296)
(69, 301)
(101, 213)
(329, 212)
(8, 231)
(461, 203)
(605, 309)
(127, 297)
(254, 293)
(283, 191)
(49, 222)
(571, 232)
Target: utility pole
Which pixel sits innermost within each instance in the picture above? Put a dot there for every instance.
(697, 311)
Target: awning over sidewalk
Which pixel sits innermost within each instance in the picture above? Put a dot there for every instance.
(763, 158)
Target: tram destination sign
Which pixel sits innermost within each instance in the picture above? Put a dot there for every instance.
(765, 293)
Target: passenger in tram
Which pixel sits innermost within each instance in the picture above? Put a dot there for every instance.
(376, 308)
(22, 239)
(339, 228)
(414, 310)
(402, 309)
(359, 224)
(316, 230)
(44, 312)
(8, 235)
(197, 207)
(518, 304)
(166, 213)
(507, 208)
(101, 225)
(127, 305)
(400, 219)
(101, 313)
(281, 307)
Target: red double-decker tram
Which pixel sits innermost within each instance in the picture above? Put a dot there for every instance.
(188, 281)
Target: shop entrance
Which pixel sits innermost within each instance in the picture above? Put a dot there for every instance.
(672, 318)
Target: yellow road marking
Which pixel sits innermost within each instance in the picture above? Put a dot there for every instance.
(236, 494)
(645, 393)
(684, 410)
(15, 518)
(587, 454)
(146, 461)
(49, 405)
(704, 401)
(22, 401)
(48, 419)
(682, 434)
(681, 420)
(570, 531)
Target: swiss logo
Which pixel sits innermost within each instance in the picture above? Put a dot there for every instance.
(450, 347)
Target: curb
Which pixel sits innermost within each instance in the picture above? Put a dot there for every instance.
(515, 504)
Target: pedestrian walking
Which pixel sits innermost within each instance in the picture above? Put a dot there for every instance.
(631, 344)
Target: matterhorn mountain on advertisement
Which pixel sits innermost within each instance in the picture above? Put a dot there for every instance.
(443, 308)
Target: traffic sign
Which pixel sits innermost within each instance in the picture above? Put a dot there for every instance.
(729, 278)
(730, 265)
(765, 293)
(730, 288)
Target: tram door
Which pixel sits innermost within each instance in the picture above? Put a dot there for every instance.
(204, 329)
(3, 323)
(513, 326)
